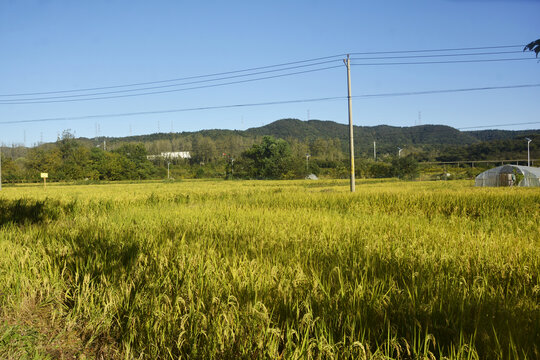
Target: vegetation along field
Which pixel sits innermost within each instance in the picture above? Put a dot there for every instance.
(269, 269)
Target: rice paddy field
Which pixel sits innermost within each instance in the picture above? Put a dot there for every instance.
(269, 270)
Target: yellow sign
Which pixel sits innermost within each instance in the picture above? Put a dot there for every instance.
(44, 175)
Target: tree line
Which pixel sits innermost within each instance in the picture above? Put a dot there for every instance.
(296, 149)
(264, 157)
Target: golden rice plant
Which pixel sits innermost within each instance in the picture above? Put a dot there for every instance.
(270, 269)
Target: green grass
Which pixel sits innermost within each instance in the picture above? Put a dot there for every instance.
(262, 269)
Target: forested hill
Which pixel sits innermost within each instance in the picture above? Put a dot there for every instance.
(494, 135)
(365, 135)
(422, 137)
(317, 135)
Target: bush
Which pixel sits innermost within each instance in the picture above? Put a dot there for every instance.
(405, 168)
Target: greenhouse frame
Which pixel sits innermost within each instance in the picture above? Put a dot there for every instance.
(510, 175)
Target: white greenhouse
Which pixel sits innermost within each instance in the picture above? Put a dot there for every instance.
(509, 175)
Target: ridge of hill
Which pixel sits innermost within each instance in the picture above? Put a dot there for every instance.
(438, 138)
(312, 129)
(365, 135)
(326, 129)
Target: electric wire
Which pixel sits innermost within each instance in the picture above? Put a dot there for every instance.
(258, 68)
(333, 98)
(437, 50)
(445, 91)
(436, 55)
(84, 117)
(175, 79)
(173, 90)
(11, 101)
(87, 97)
(488, 126)
(442, 62)
(241, 75)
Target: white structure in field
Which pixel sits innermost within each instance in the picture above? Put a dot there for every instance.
(509, 175)
(172, 155)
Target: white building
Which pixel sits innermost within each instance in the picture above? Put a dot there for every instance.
(171, 155)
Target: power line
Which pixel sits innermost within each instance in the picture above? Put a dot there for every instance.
(170, 111)
(438, 55)
(173, 90)
(441, 62)
(176, 79)
(256, 68)
(83, 97)
(429, 92)
(487, 126)
(437, 50)
(11, 101)
(474, 161)
(85, 117)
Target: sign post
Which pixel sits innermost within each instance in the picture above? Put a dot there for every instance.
(44, 176)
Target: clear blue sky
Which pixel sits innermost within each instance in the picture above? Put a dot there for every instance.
(53, 45)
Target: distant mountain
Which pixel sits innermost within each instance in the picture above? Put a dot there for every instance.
(388, 138)
(312, 129)
(385, 136)
(490, 135)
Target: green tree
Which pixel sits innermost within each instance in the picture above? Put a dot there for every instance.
(204, 149)
(44, 160)
(112, 166)
(405, 168)
(533, 46)
(74, 158)
(134, 152)
(319, 148)
(380, 169)
(9, 169)
(271, 159)
(133, 161)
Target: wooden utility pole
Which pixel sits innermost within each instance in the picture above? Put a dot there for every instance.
(351, 137)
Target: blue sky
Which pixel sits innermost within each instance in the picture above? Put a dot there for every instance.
(53, 45)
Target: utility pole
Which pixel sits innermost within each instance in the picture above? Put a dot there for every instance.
(307, 163)
(351, 137)
(374, 151)
(528, 152)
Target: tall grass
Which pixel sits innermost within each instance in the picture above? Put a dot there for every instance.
(291, 270)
